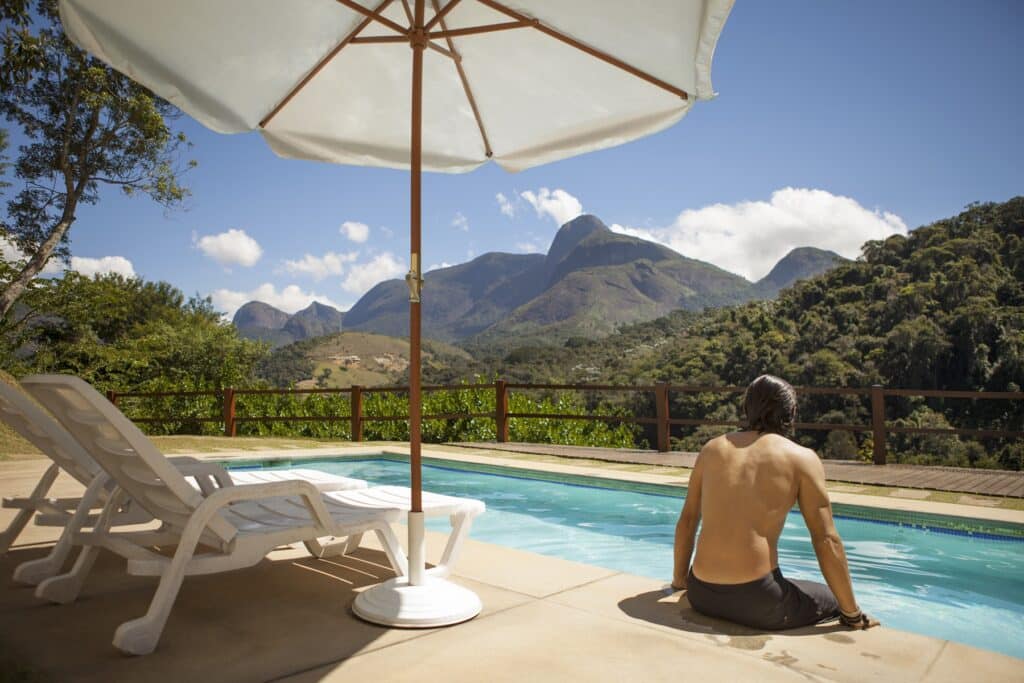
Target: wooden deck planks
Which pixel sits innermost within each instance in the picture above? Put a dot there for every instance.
(957, 480)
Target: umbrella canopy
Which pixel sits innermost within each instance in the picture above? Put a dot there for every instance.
(520, 82)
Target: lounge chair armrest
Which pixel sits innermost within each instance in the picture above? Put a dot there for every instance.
(203, 472)
(251, 492)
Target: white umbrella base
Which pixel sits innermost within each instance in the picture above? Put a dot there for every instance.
(436, 602)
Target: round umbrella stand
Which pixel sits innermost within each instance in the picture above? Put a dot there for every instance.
(418, 600)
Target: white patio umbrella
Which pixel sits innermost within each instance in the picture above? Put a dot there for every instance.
(519, 82)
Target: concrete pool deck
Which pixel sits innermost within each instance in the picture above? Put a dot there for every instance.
(288, 618)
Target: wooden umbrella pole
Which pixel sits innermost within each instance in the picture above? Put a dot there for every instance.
(418, 44)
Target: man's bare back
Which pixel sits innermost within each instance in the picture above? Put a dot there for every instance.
(749, 484)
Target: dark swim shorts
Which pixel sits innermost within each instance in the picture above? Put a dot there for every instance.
(771, 603)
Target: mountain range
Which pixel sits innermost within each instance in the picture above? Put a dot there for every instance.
(591, 281)
(257, 320)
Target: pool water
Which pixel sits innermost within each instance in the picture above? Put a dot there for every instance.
(954, 587)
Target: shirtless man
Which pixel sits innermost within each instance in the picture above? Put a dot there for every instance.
(742, 486)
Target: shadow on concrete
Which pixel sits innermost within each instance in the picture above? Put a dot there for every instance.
(285, 615)
(674, 611)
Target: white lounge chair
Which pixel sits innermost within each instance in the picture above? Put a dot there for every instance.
(236, 525)
(45, 433)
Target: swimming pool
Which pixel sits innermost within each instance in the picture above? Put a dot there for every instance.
(961, 582)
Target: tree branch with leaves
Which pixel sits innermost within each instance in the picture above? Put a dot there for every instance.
(85, 126)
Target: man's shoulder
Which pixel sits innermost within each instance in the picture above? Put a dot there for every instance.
(790, 450)
(800, 455)
(716, 445)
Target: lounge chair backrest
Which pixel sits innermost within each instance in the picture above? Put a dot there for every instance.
(40, 429)
(121, 449)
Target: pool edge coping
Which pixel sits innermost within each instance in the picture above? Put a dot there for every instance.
(446, 453)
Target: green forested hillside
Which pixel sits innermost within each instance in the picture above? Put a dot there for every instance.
(942, 308)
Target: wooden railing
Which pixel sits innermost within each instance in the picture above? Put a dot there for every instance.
(662, 419)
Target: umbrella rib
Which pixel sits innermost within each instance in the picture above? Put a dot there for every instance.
(322, 63)
(439, 16)
(473, 30)
(593, 52)
(373, 15)
(408, 12)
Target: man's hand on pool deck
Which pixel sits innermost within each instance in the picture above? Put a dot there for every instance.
(860, 621)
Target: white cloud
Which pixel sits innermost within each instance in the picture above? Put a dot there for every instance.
(749, 238)
(319, 267)
(507, 207)
(436, 266)
(557, 204)
(289, 299)
(355, 231)
(91, 267)
(231, 247)
(362, 276)
(86, 266)
(388, 232)
(10, 252)
(528, 247)
(460, 222)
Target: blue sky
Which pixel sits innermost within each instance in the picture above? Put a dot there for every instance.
(836, 122)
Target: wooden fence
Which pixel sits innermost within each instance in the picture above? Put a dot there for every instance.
(662, 419)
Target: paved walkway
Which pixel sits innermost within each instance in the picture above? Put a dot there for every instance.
(956, 479)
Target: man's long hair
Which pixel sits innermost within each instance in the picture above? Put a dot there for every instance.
(770, 406)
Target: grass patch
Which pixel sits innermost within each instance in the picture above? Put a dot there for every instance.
(12, 444)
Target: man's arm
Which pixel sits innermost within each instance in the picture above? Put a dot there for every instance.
(686, 527)
(828, 546)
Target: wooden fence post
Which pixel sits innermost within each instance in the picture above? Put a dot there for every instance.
(878, 423)
(661, 411)
(501, 410)
(356, 408)
(112, 396)
(229, 411)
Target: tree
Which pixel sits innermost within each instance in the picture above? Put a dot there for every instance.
(86, 125)
(126, 334)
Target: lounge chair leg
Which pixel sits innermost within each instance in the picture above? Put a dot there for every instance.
(460, 530)
(140, 636)
(321, 550)
(393, 548)
(314, 548)
(66, 587)
(35, 571)
(334, 548)
(15, 528)
(352, 544)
